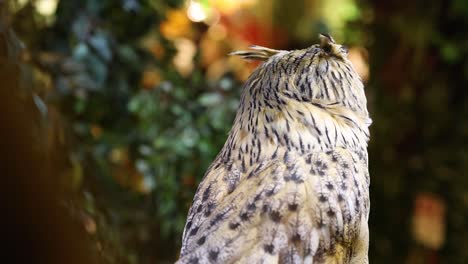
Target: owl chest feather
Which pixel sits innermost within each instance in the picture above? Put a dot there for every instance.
(291, 183)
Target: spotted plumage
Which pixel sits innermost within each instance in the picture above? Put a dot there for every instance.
(291, 184)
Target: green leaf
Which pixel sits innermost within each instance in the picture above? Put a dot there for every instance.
(100, 43)
(450, 52)
(210, 99)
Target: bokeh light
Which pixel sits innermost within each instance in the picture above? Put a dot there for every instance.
(46, 7)
(195, 12)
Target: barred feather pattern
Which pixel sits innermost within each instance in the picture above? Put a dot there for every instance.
(291, 183)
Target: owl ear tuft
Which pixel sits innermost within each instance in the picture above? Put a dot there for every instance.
(326, 39)
(256, 53)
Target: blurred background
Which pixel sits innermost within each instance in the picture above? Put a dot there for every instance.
(113, 110)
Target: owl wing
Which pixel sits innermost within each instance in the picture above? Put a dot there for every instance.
(295, 208)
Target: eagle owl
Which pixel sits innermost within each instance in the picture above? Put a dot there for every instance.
(291, 184)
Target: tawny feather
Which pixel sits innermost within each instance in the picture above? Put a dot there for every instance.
(291, 183)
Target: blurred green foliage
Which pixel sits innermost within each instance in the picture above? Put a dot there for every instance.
(419, 103)
(135, 154)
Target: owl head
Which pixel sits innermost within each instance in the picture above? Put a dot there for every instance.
(321, 73)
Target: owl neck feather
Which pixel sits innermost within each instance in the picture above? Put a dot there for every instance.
(260, 132)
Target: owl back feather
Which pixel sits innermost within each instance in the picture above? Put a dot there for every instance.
(291, 182)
